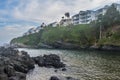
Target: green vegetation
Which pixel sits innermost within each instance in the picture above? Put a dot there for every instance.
(82, 35)
(79, 34)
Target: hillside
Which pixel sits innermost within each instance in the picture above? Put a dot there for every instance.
(101, 33)
(79, 35)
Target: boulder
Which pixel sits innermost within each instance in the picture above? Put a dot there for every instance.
(51, 60)
(54, 78)
(3, 77)
(14, 64)
(70, 78)
(9, 70)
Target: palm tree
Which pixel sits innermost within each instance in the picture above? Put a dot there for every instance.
(67, 14)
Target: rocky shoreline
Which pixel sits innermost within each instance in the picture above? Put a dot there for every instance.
(61, 45)
(14, 64)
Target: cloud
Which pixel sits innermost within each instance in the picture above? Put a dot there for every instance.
(52, 10)
(17, 16)
(9, 32)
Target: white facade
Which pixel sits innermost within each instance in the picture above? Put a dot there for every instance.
(65, 22)
(75, 19)
(117, 6)
(85, 17)
(54, 24)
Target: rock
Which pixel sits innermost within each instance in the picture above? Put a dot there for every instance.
(20, 68)
(64, 69)
(56, 70)
(9, 70)
(39, 60)
(51, 60)
(110, 48)
(18, 76)
(54, 78)
(3, 77)
(14, 64)
(70, 78)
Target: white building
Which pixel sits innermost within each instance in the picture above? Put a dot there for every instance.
(117, 6)
(54, 24)
(85, 17)
(30, 31)
(65, 22)
(75, 19)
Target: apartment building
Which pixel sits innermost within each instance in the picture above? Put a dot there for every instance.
(85, 17)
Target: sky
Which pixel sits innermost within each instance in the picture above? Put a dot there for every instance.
(17, 16)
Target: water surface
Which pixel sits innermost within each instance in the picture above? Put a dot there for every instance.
(83, 65)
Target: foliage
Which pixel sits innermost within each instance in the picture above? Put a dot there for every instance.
(110, 18)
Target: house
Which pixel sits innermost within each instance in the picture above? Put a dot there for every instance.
(65, 22)
(101, 11)
(75, 19)
(117, 6)
(38, 29)
(53, 24)
(30, 31)
(86, 17)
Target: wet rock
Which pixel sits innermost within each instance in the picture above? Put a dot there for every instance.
(9, 70)
(51, 60)
(3, 77)
(70, 78)
(14, 64)
(18, 76)
(54, 78)
(56, 70)
(64, 69)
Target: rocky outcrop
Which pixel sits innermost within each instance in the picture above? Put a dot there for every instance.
(14, 64)
(105, 48)
(61, 78)
(51, 60)
(64, 45)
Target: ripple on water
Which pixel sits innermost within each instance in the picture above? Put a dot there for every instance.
(83, 65)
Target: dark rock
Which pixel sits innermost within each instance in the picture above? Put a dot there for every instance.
(70, 78)
(110, 48)
(3, 77)
(51, 60)
(54, 78)
(56, 70)
(14, 64)
(20, 68)
(64, 69)
(9, 70)
(18, 76)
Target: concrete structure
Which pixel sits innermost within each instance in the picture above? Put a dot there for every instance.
(85, 17)
(65, 22)
(101, 11)
(75, 19)
(117, 6)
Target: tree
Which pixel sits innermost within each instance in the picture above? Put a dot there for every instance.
(67, 14)
(111, 17)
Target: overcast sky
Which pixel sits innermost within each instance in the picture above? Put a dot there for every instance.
(17, 16)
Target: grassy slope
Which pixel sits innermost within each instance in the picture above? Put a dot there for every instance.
(112, 37)
(83, 35)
